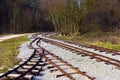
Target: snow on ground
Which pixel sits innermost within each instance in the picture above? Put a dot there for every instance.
(10, 36)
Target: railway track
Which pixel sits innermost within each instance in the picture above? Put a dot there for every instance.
(56, 60)
(101, 49)
(25, 70)
(99, 58)
(78, 51)
(33, 65)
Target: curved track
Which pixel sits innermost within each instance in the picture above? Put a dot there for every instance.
(55, 60)
(82, 52)
(25, 70)
(101, 49)
(34, 64)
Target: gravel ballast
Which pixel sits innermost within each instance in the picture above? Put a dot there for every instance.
(24, 51)
(117, 57)
(98, 70)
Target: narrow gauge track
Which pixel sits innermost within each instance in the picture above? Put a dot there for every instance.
(25, 70)
(101, 49)
(33, 65)
(52, 59)
(82, 52)
(113, 52)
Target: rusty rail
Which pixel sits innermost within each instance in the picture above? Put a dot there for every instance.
(29, 70)
(77, 71)
(73, 68)
(106, 59)
(109, 51)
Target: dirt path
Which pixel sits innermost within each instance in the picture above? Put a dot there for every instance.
(10, 36)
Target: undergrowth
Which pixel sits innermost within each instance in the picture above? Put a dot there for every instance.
(107, 40)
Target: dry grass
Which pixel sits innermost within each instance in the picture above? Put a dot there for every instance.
(107, 40)
(8, 52)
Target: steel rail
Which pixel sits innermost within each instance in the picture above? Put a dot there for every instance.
(65, 73)
(110, 51)
(73, 68)
(15, 69)
(87, 53)
(29, 70)
(25, 63)
(62, 61)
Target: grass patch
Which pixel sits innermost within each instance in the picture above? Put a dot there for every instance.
(9, 51)
(108, 40)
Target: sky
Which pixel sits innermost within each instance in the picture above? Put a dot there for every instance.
(78, 2)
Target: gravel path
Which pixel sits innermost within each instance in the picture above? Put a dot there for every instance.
(10, 36)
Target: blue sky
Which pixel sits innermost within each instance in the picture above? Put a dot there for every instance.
(78, 2)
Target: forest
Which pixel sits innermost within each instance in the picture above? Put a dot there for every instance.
(24, 16)
(82, 16)
(65, 16)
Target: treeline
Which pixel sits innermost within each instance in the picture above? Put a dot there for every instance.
(67, 16)
(20, 16)
(81, 16)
